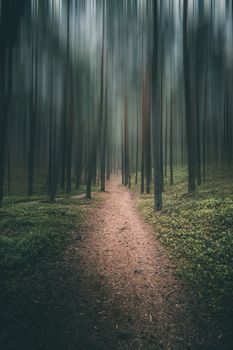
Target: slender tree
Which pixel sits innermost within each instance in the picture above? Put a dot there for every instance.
(188, 107)
(156, 117)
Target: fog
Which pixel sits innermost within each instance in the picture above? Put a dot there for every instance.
(92, 87)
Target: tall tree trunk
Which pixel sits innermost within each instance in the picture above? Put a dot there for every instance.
(137, 141)
(143, 136)
(188, 107)
(33, 118)
(10, 15)
(126, 144)
(147, 137)
(156, 116)
(171, 143)
(103, 107)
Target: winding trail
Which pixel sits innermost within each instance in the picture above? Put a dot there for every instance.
(128, 294)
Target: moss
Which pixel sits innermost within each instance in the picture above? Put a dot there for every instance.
(198, 229)
(34, 231)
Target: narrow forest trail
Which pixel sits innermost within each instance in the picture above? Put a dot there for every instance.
(128, 294)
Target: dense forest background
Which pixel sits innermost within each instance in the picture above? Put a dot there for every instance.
(89, 87)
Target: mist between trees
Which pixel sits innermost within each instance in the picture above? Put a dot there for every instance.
(88, 88)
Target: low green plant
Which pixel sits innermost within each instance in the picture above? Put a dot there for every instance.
(198, 229)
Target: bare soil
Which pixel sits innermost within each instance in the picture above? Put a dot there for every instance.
(128, 294)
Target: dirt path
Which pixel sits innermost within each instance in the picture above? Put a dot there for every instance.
(128, 295)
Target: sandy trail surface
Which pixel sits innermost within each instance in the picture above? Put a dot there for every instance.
(128, 296)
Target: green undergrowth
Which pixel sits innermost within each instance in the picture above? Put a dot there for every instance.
(34, 231)
(198, 229)
(40, 195)
(16, 190)
(34, 235)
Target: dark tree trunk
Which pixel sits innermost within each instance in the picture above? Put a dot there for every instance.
(171, 144)
(136, 170)
(10, 15)
(103, 108)
(188, 107)
(143, 137)
(126, 145)
(156, 116)
(147, 137)
(32, 120)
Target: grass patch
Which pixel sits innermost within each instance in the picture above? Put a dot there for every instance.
(32, 231)
(35, 282)
(198, 229)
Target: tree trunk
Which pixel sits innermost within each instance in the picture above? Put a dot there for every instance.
(188, 108)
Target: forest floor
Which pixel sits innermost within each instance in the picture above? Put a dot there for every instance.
(97, 278)
(130, 297)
